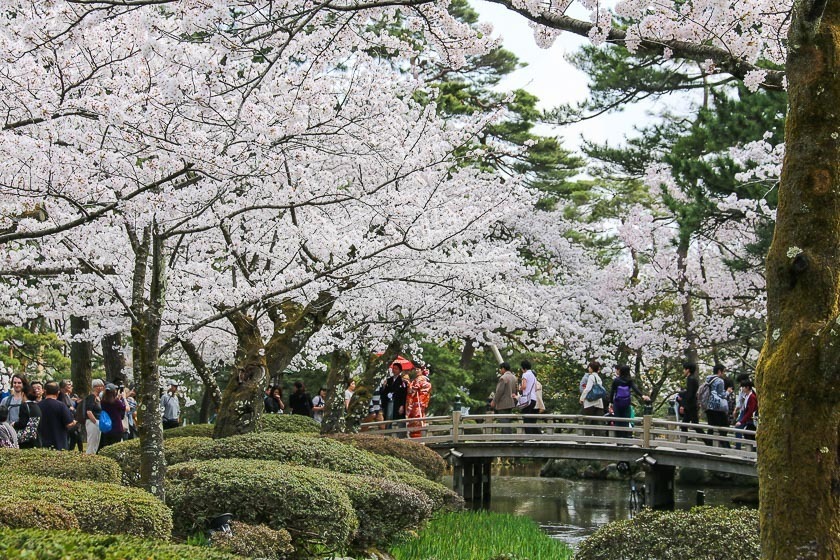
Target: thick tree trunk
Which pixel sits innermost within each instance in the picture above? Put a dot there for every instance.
(113, 357)
(242, 401)
(206, 376)
(207, 406)
(467, 354)
(294, 325)
(145, 337)
(799, 369)
(337, 377)
(80, 357)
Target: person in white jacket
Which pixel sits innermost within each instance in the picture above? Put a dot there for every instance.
(594, 407)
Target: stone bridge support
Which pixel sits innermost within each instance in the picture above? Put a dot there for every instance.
(659, 486)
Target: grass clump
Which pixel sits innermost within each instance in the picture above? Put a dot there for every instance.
(711, 533)
(482, 535)
(66, 465)
(33, 544)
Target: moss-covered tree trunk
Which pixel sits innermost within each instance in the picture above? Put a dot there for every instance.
(684, 291)
(242, 401)
(337, 376)
(80, 357)
(145, 336)
(799, 369)
(212, 393)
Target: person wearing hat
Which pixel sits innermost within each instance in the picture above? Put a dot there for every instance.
(171, 407)
(93, 408)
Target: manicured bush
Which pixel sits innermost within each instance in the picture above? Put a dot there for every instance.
(295, 449)
(192, 430)
(254, 541)
(127, 454)
(32, 514)
(484, 535)
(34, 544)
(288, 423)
(442, 498)
(429, 462)
(385, 508)
(711, 533)
(100, 508)
(67, 465)
(314, 508)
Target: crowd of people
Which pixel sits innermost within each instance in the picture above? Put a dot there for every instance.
(52, 415)
(398, 397)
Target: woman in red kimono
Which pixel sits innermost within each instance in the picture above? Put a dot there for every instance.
(417, 402)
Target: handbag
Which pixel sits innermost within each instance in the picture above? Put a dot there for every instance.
(105, 422)
(596, 392)
(30, 431)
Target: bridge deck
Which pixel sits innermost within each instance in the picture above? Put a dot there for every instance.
(564, 436)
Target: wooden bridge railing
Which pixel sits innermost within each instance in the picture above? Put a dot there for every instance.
(646, 432)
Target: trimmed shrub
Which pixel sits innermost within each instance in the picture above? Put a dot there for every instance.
(314, 508)
(66, 465)
(99, 508)
(385, 508)
(32, 544)
(31, 514)
(193, 430)
(713, 533)
(127, 454)
(254, 541)
(294, 449)
(441, 497)
(288, 423)
(429, 462)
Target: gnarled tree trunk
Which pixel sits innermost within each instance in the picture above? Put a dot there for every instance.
(799, 369)
(337, 377)
(242, 401)
(113, 357)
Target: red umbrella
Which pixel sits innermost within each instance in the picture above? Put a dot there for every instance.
(404, 363)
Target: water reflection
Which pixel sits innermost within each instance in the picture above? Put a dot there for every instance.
(570, 510)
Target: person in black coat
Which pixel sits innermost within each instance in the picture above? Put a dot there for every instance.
(620, 397)
(387, 392)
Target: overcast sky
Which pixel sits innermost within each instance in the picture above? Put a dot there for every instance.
(551, 78)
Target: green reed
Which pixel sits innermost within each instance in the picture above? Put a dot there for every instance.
(481, 535)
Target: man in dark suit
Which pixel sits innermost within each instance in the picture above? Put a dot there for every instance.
(394, 394)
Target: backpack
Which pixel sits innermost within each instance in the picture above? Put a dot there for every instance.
(30, 431)
(105, 424)
(622, 396)
(704, 394)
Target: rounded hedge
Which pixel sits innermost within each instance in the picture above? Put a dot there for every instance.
(32, 514)
(385, 508)
(100, 508)
(429, 462)
(294, 449)
(441, 497)
(192, 430)
(254, 541)
(311, 506)
(713, 533)
(31, 544)
(288, 423)
(67, 465)
(127, 454)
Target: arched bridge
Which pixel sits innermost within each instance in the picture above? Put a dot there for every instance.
(472, 442)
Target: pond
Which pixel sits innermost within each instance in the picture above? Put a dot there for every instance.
(570, 510)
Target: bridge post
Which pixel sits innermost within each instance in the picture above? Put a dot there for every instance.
(659, 486)
(456, 425)
(647, 423)
(471, 478)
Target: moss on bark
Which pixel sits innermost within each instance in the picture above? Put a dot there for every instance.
(799, 370)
